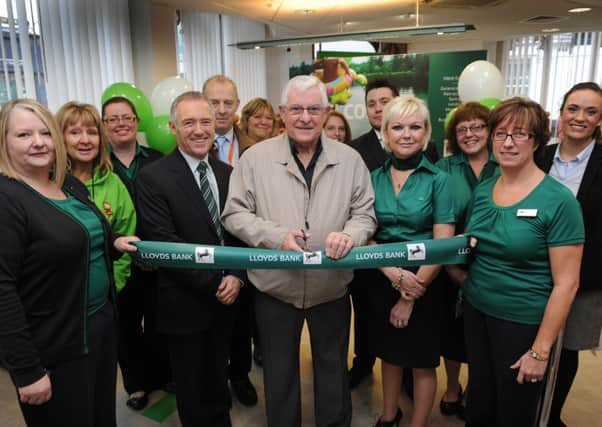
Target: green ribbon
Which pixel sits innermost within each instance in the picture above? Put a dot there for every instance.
(453, 250)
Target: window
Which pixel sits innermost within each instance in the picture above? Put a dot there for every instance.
(22, 71)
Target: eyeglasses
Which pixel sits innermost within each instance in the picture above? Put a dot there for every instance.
(474, 129)
(518, 136)
(113, 120)
(312, 110)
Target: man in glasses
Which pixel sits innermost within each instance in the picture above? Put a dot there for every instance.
(301, 191)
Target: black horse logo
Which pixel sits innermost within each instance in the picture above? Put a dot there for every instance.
(416, 250)
(201, 255)
(311, 255)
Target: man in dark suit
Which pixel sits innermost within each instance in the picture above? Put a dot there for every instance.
(177, 196)
(230, 143)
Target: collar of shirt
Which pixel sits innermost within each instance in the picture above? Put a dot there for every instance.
(229, 135)
(424, 164)
(193, 162)
(583, 156)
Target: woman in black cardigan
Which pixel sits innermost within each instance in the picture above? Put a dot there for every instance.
(57, 321)
(577, 163)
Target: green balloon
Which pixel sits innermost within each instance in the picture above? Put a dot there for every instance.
(159, 136)
(490, 102)
(135, 96)
(448, 117)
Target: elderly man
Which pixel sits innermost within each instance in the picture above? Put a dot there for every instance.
(301, 191)
(180, 197)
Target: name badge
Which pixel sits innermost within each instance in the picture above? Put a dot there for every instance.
(526, 213)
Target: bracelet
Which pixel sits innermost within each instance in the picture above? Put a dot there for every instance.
(537, 356)
(406, 296)
(397, 283)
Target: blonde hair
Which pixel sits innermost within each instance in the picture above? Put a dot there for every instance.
(59, 167)
(72, 113)
(254, 106)
(403, 106)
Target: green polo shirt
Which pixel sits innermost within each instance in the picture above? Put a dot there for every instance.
(510, 276)
(464, 182)
(425, 199)
(98, 272)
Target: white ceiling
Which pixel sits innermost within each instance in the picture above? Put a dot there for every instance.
(494, 19)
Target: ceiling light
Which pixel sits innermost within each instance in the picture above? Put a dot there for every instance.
(580, 9)
(550, 30)
(359, 35)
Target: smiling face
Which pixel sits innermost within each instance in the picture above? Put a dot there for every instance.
(83, 141)
(515, 152)
(471, 136)
(30, 147)
(304, 115)
(406, 135)
(260, 125)
(581, 115)
(335, 128)
(194, 128)
(121, 124)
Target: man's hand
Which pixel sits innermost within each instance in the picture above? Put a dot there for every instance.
(228, 289)
(338, 245)
(36, 393)
(290, 242)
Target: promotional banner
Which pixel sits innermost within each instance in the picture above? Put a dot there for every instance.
(453, 250)
(432, 77)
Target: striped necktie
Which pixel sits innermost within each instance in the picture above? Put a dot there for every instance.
(209, 199)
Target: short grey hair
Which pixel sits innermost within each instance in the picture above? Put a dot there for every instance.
(402, 106)
(190, 95)
(303, 83)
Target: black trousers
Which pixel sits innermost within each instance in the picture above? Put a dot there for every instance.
(199, 366)
(360, 288)
(567, 370)
(280, 326)
(83, 390)
(240, 344)
(492, 346)
(143, 356)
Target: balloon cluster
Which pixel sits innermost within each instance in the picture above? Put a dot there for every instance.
(153, 114)
(480, 81)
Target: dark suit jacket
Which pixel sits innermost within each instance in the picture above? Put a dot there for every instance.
(172, 209)
(590, 198)
(374, 155)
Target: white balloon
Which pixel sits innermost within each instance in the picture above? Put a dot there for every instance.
(480, 79)
(166, 91)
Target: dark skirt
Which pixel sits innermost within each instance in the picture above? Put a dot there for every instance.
(419, 344)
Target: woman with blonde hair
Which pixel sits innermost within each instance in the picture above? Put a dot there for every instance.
(57, 296)
(257, 119)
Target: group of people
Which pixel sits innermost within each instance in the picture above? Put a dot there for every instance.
(78, 190)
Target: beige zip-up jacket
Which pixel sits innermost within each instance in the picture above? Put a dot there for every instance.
(268, 197)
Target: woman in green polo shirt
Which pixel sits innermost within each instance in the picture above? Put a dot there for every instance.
(525, 272)
(413, 201)
(470, 162)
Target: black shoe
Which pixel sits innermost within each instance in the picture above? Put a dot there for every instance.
(453, 408)
(244, 391)
(357, 375)
(137, 403)
(393, 423)
(257, 355)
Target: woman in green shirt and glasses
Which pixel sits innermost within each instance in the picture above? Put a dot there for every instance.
(413, 201)
(525, 271)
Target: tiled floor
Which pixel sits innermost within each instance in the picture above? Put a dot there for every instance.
(583, 409)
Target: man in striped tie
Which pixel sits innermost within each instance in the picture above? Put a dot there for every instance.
(182, 196)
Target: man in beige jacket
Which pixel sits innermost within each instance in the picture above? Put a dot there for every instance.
(301, 191)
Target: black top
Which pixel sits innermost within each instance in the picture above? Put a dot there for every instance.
(590, 199)
(43, 280)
